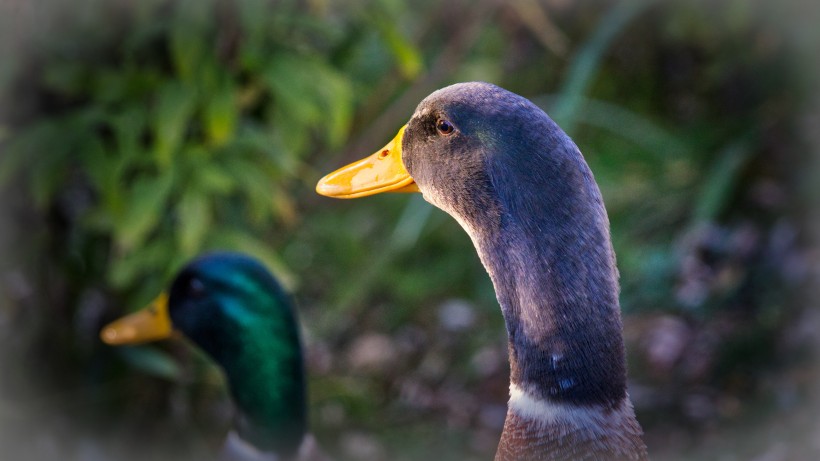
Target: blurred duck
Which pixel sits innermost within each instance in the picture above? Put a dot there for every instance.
(521, 189)
(229, 305)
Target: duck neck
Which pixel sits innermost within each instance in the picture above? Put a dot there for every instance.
(558, 292)
(263, 365)
(544, 240)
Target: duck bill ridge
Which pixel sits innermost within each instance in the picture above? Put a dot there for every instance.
(151, 323)
(381, 172)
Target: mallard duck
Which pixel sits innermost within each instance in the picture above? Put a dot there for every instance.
(229, 305)
(521, 189)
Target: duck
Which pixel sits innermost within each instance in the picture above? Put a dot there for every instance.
(522, 191)
(230, 306)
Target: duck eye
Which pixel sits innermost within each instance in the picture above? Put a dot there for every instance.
(195, 287)
(444, 127)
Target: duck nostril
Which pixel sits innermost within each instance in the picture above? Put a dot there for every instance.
(384, 153)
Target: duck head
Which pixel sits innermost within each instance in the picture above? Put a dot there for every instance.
(483, 155)
(229, 305)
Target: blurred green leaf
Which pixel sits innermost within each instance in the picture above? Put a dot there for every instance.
(256, 185)
(109, 85)
(151, 361)
(172, 114)
(301, 103)
(254, 17)
(189, 36)
(632, 126)
(221, 114)
(267, 147)
(213, 179)
(146, 205)
(129, 127)
(587, 61)
(720, 183)
(337, 98)
(154, 257)
(193, 221)
(101, 167)
(407, 55)
(291, 79)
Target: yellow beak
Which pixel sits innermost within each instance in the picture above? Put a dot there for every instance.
(152, 323)
(381, 172)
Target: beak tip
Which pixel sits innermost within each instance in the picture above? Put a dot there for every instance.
(118, 335)
(326, 188)
(109, 335)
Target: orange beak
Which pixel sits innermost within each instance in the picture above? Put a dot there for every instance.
(381, 172)
(152, 323)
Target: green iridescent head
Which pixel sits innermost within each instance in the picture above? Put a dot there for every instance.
(233, 308)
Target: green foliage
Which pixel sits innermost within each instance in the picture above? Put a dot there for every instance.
(191, 132)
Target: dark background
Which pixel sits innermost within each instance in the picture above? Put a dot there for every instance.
(135, 135)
